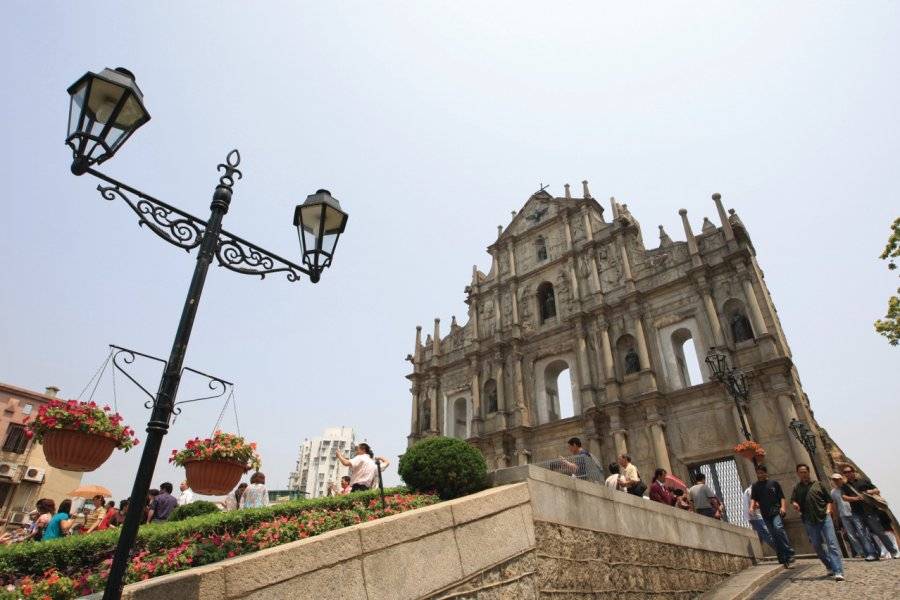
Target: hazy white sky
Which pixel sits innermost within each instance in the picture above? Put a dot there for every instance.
(431, 122)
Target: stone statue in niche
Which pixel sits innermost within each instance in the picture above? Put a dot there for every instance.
(740, 328)
(632, 362)
(525, 308)
(562, 287)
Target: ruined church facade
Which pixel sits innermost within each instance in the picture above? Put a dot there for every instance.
(570, 289)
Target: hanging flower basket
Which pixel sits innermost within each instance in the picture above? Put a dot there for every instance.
(214, 466)
(750, 450)
(79, 436)
(213, 477)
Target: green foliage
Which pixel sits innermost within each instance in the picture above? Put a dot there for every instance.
(447, 466)
(76, 553)
(889, 327)
(186, 511)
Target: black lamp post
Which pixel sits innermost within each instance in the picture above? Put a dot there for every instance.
(806, 437)
(735, 383)
(105, 110)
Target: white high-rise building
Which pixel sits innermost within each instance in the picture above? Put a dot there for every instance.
(317, 466)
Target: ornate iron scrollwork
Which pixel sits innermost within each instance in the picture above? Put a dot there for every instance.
(241, 256)
(171, 224)
(186, 231)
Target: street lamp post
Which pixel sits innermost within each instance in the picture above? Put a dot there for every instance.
(735, 383)
(806, 437)
(105, 110)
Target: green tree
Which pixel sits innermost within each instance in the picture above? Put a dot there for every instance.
(889, 326)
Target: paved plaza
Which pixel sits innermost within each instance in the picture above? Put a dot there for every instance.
(870, 581)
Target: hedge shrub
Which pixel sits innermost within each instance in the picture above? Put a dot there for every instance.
(76, 553)
(186, 511)
(446, 466)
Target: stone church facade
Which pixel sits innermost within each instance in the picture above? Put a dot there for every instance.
(569, 288)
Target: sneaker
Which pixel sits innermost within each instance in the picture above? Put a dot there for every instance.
(788, 566)
(871, 557)
(839, 577)
(895, 555)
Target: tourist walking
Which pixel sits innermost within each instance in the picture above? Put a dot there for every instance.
(187, 494)
(363, 470)
(855, 531)
(658, 491)
(853, 491)
(60, 524)
(813, 502)
(704, 499)
(163, 504)
(255, 495)
(615, 481)
(233, 500)
(767, 497)
(633, 483)
(756, 521)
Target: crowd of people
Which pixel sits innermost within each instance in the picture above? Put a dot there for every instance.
(851, 505)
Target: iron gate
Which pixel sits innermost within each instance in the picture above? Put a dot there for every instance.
(723, 477)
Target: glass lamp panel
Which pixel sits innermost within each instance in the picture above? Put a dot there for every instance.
(76, 107)
(103, 99)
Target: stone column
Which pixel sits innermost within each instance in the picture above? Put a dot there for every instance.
(619, 440)
(514, 292)
(788, 412)
(585, 383)
(643, 353)
(434, 387)
(713, 316)
(626, 268)
(475, 384)
(414, 424)
(503, 406)
(759, 323)
(417, 353)
(648, 378)
(660, 450)
(436, 348)
(497, 315)
(723, 218)
(693, 250)
(510, 249)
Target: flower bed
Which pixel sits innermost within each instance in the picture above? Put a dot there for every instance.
(78, 565)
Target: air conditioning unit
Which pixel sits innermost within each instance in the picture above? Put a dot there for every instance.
(34, 474)
(18, 517)
(8, 470)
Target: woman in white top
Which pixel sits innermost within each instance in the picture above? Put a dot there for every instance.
(363, 470)
(256, 495)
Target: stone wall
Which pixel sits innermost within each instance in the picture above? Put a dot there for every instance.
(539, 535)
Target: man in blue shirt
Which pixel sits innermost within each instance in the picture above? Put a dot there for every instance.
(163, 505)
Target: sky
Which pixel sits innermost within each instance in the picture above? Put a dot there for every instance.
(430, 122)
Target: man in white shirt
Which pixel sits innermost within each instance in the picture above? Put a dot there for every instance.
(187, 494)
(756, 521)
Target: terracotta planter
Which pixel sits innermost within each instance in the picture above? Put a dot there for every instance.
(750, 454)
(213, 477)
(75, 450)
